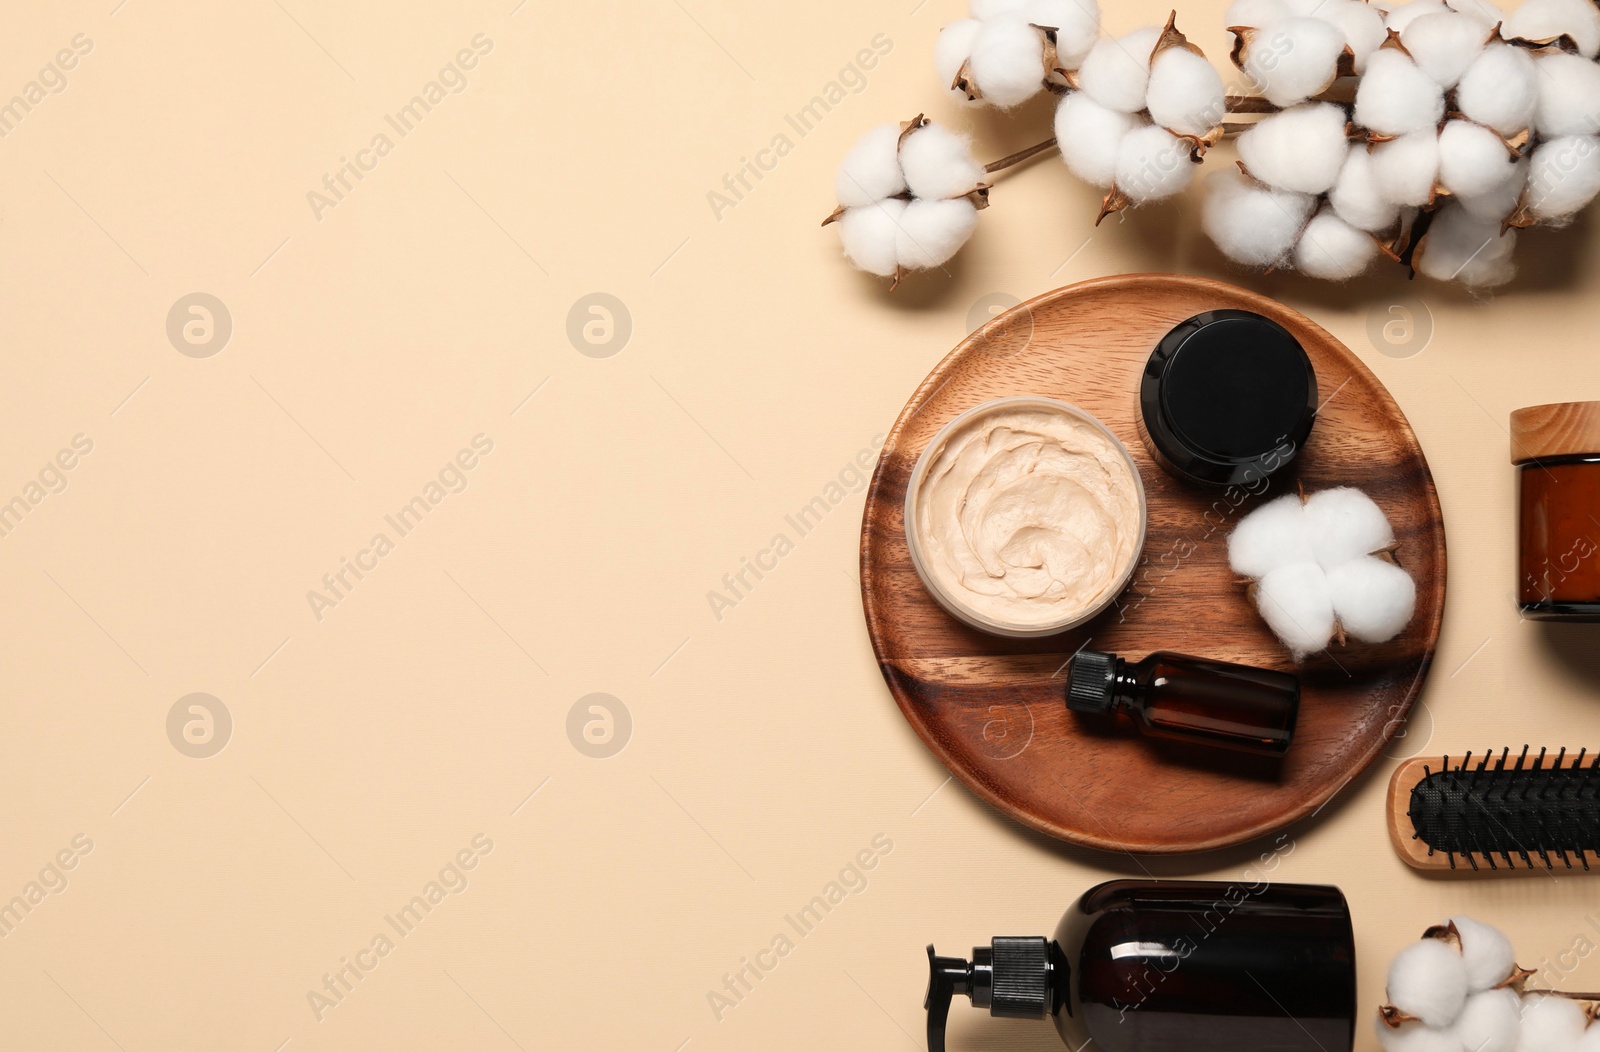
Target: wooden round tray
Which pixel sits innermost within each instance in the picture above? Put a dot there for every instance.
(993, 708)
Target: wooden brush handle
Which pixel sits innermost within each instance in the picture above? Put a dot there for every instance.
(1415, 853)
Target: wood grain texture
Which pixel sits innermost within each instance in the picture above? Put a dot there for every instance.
(1555, 430)
(992, 709)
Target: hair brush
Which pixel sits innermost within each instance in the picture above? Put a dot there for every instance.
(1498, 814)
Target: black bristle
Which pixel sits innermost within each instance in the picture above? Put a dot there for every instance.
(1523, 810)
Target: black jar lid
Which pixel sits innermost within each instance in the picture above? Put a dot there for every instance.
(1228, 397)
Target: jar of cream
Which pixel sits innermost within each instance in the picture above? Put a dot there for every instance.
(1556, 449)
(1025, 516)
(1227, 398)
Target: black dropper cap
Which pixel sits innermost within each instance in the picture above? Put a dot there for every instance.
(1010, 977)
(1091, 682)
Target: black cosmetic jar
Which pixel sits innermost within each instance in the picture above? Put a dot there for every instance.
(1227, 398)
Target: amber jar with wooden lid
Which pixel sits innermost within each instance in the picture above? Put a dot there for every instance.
(1557, 452)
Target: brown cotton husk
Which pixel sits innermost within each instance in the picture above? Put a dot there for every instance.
(978, 196)
(1114, 202)
(1517, 980)
(1560, 43)
(1447, 932)
(907, 127)
(1393, 1018)
(1047, 66)
(836, 215)
(1244, 38)
(1172, 37)
(1394, 43)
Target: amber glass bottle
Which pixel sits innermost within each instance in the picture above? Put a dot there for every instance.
(1164, 966)
(1557, 452)
(1190, 699)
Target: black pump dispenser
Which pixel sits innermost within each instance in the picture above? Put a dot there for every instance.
(1011, 977)
(1186, 966)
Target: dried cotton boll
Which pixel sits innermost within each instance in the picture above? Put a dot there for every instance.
(1498, 204)
(1395, 97)
(1406, 168)
(1486, 952)
(1116, 72)
(930, 232)
(1293, 600)
(1077, 26)
(1402, 16)
(1361, 24)
(951, 51)
(1250, 223)
(871, 170)
(1563, 176)
(1490, 1022)
(1293, 60)
(1472, 159)
(1569, 96)
(1273, 535)
(1355, 197)
(1458, 247)
(1332, 250)
(1152, 164)
(1428, 981)
(1090, 136)
(870, 234)
(1185, 93)
(1373, 598)
(1548, 19)
(1007, 62)
(938, 163)
(1551, 1024)
(1500, 89)
(1414, 1037)
(1344, 524)
(1444, 44)
(1300, 149)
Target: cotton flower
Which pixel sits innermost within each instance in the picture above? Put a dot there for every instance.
(1563, 177)
(1357, 198)
(1473, 160)
(1460, 247)
(1568, 96)
(1090, 136)
(1143, 109)
(1444, 44)
(1428, 982)
(1312, 562)
(1301, 149)
(1008, 51)
(1116, 72)
(1490, 1021)
(1486, 952)
(1548, 20)
(1251, 223)
(1397, 97)
(908, 198)
(1551, 1024)
(1500, 89)
(1293, 59)
(1184, 93)
(1407, 168)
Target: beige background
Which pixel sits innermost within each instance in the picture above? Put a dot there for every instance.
(428, 307)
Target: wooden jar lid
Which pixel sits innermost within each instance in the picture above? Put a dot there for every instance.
(1560, 429)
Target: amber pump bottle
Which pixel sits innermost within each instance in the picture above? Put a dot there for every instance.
(1190, 699)
(1172, 966)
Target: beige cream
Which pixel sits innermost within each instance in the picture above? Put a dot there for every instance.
(1027, 516)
